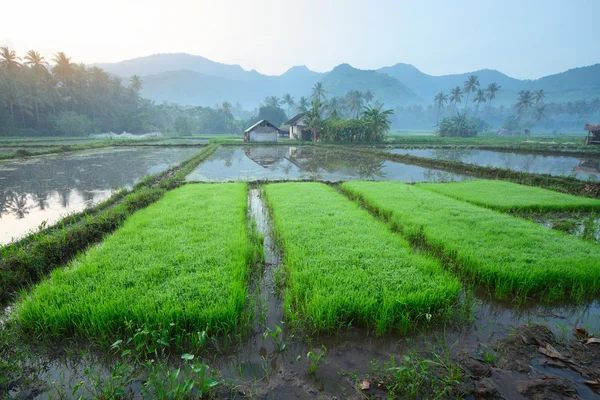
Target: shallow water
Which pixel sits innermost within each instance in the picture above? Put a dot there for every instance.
(581, 167)
(47, 188)
(251, 163)
(256, 367)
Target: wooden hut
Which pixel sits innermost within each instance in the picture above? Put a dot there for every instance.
(262, 131)
(593, 136)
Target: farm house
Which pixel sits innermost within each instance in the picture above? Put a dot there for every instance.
(593, 136)
(262, 131)
(297, 126)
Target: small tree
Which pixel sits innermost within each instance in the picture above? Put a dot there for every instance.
(457, 126)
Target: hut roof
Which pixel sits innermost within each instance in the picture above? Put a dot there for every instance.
(592, 127)
(260, 123)
(295, 119)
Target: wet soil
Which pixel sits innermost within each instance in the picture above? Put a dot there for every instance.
(500, 350)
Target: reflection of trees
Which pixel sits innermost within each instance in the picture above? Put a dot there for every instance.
(17, 204)
(316, 160)
(29, 184)
(435, 175)
(463, 156)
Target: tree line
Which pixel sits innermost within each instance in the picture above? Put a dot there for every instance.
(349, 118)
(68, 98)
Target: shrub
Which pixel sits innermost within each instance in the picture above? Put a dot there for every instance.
(458, 126)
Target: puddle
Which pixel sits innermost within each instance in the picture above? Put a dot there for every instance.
(581, 167)
(258, 163)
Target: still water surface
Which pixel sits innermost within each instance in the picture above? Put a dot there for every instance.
(231, 163)
(47, 188)
(583, 168)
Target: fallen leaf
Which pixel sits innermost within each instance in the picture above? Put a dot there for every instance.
(592, 340)
(551, 352)
(595, 383)
(365, 385)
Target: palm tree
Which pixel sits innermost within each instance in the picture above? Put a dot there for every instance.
(10, 65)
(440, 100)
(524, 102)
(34, 93)
(289, 100)
(470, 85)
(540, 113)
(272, 101)
(539, 96)
(368, 96)
(379, 120)
(491, 90)
(479, 98)
(455, 97)
(318, 92)
(36, 62)
(135, 83)
(313, 117)
(354, 100)
(63, 68)
(303, 104)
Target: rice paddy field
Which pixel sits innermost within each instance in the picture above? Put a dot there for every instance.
(508, 196)
(508, 254)
(183, 261)
(342, 266)
(228, 275)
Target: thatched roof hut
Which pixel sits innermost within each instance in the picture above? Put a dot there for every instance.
(593, 136)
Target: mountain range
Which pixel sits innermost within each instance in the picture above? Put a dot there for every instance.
(194, 80)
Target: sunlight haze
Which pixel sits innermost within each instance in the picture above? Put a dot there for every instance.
(524, 39)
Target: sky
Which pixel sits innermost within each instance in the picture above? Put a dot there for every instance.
(524, 39)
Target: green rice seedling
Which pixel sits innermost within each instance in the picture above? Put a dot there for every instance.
(343, 266)
(508, 196)
(179, 264)
(509, 254)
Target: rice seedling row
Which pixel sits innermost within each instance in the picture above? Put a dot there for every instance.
(508, 196)
(511, 255)
(345, 267)
(181, 263)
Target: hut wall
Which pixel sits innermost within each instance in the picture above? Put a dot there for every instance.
(263, 134)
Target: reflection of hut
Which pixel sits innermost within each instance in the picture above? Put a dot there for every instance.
(590, 167)
(265, 156)
(297, 126)
(262, 131)
(593, 136)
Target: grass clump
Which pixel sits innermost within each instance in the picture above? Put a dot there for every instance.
(504, 252)
(508, 196)
(343, 266)
(179, 263)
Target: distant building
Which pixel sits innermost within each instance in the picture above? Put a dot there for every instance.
(262, 131)
(297, 126)
(593, 136)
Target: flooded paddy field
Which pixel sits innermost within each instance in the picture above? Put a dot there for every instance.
(580, 166)
(46, 188)
(254, 163)
(485, 349)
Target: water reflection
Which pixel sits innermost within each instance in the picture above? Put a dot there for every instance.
(40, 190)
(306, 162)
(534, 163)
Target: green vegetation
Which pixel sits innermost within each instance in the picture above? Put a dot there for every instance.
(507, 196)
(458, 126)
(70, 99)
(343, 267)
(559, 183)
(31, 258)
(509, 254)
(182, 261)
